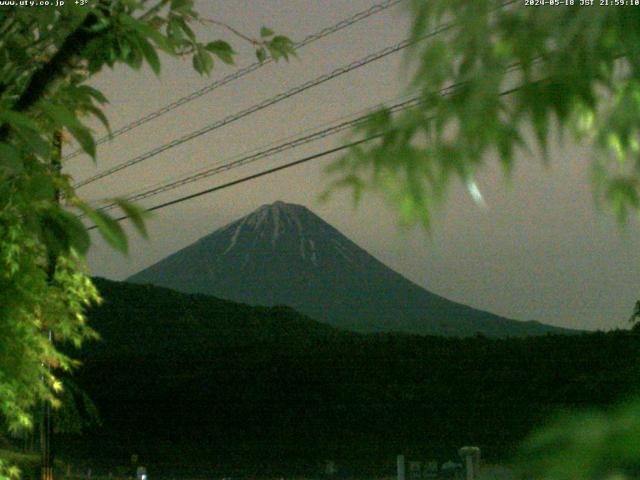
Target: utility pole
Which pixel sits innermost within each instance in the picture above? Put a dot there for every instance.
(46, 425)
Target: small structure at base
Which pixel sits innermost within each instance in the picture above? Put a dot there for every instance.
(141, 473)
(401, 468)
(415, 470)
(330, 468)
(430, 469)
(471, 458)
(451, 469)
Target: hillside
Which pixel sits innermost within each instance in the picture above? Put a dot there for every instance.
(142, 318)
(284, 254)
(267, 390)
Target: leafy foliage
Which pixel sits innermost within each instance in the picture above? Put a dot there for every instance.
(587, 445)
(46, 58)
(583, 444)
(77, 412)
(29, 306)
(15, 465)
(516, 71)
(569, 70)
(8, 472)
(278, 46)
(242, 377)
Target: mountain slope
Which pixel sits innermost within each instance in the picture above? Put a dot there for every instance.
(285, 254)
(153, 321)
(204, 388)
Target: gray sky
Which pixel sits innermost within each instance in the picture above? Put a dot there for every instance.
(539, 251)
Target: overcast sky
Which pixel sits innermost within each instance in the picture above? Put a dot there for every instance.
(540, 250)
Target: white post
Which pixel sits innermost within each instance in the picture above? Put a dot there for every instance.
(469, 467)
(471, 456)
(401, 469)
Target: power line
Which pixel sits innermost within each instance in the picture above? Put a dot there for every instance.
(259, 154)
(266, 103)
(282, 96)
(240, 73)
(254, 176)
(268, 152)
(209, 166)
(279, 147)
(274, 169)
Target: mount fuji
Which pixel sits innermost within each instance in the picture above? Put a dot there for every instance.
(284, 254)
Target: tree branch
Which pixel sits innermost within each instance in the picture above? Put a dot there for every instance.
(252, 41)
(40, 81)
(153, 10)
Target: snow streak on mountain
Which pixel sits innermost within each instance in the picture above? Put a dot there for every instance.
(283, 254)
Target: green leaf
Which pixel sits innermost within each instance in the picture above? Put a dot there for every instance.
(62, 116)
(181, 5)
(145, 30)
(174, 31)
(17, 119)
(623, 196)
(132, 5)
(134, 57)
(150, 55)
(10, 159)
(275, 53)
(77, 233)
(261, 54)
(63, 230)
(40, 187)
(280, 47)
(86, 90)
(36, 144)
(135, 213)
(109, 228)
(266, 32)
(65, 118)
(45, 17)
(222, 49)
(202, 61)
(28, 131)
(99, 114)
(85, 139)
(186, 28)
(124, 46)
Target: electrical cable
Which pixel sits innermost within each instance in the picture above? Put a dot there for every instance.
(272, 170)
(260, 149)
(273, 150)
(264, 104)
(282, 96)
(279, 147)
(377, 8)
(252, 177)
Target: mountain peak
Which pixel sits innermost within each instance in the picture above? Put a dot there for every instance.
(281, 204)
(277, 229)
(274, 219)
(284, 254)
(283, 207)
